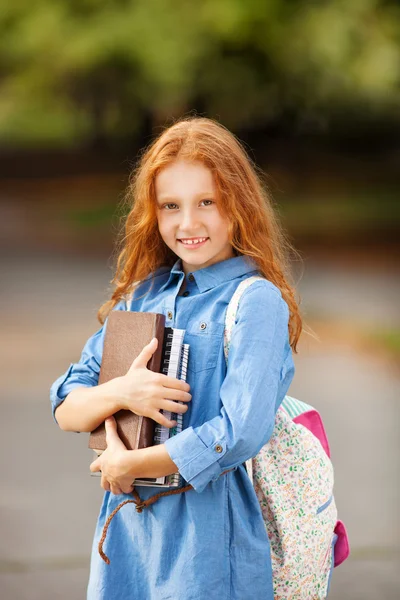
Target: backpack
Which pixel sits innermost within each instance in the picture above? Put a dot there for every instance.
(292, 476)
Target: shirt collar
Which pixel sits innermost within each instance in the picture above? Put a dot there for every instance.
(218, 273)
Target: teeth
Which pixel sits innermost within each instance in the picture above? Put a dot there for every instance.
(196, 241)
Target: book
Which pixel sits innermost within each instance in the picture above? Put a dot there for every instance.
(127, 333)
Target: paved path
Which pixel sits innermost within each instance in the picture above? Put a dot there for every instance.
(49, 503)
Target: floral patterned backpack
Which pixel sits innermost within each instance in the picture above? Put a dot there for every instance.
(292, 476)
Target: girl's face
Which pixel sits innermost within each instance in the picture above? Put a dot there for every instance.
(187, 210)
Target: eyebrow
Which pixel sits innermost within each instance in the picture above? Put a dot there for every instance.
(166, 198)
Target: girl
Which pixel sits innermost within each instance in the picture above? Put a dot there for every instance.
(200, 223)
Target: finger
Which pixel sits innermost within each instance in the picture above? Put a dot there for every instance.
(95, 466)
(111, 428)
(173, 382)
(162, 419)
(127, 488)
(112, 437)
(115, 489)
(104, 484)
(145, 355)
(174, 407)
(172, 394)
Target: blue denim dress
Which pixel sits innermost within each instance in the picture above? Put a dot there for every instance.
(209, 542)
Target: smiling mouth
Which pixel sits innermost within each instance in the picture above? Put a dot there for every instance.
(193, 242)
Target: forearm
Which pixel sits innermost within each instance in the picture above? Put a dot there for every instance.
(87, 407)
(153, 461)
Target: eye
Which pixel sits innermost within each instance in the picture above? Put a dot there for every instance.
(165, 206)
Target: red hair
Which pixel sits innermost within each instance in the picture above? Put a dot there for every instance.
(254, 228)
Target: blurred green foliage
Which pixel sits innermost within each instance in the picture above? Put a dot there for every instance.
(389, 339)
(363, 214)
(89, 218)
(76, 72)
(366, 214)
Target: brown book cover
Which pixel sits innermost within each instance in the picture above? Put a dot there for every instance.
(126, 335)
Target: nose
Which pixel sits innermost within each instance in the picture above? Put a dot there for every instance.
(189, 222)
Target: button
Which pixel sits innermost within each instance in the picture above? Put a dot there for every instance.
(203, 325)
(191, 277)
(185, 293)
(218, 448)
(169, 314)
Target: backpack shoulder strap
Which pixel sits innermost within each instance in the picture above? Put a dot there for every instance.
(297, 410)
(230, 318)
(295, 407)
(231, 311)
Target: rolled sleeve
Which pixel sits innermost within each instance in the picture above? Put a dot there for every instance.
(197, 462)
(84, 373)
(260, 369)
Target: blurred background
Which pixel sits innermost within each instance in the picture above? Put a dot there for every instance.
(312, 89)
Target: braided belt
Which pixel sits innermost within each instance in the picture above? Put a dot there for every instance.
(140, 505)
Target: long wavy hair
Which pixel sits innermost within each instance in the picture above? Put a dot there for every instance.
(242, 196)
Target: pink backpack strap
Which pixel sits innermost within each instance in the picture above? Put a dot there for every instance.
(313, 422)
(342, 547)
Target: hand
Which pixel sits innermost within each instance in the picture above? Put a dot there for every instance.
(145, 392)
(115, 463)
